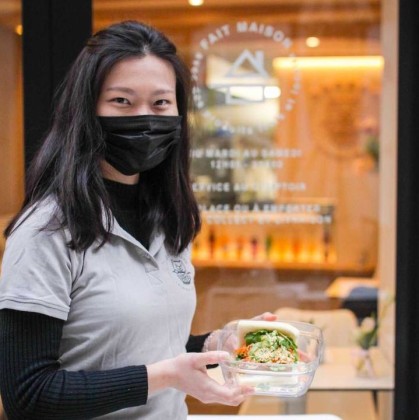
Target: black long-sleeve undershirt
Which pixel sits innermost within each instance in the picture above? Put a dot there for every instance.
(33, 386)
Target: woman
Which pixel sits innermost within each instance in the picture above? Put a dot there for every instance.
(97, 293)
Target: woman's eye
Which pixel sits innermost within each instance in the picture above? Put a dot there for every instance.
(122, 101)
(162, 102)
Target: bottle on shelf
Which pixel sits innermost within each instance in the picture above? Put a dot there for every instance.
(211, 243)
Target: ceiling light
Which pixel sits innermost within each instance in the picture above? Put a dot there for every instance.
(19, 29)
(330, 62)
(312, 42)
(196, 2)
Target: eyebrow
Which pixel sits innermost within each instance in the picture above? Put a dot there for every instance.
(163, 91)
(121, 89)
(132, 92)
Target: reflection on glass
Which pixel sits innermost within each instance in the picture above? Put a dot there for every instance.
(280, 130)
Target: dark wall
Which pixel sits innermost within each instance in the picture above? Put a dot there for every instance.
(407, 309)
(54, 32)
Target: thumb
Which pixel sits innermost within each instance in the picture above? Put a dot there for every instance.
(266, 316)
(213, 357)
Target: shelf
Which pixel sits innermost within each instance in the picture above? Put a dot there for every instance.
(314, 214)
(270, 265)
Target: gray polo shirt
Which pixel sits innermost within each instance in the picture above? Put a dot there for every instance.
(122, 304)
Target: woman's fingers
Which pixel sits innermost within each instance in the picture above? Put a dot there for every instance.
(187, 373)
(224, 394)
(266, 316)
(210, 358)
(193, 379)
(304, 357)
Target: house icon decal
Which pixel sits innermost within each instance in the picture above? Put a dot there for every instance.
(245, 80)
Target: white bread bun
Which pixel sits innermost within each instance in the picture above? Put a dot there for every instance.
(245, 326)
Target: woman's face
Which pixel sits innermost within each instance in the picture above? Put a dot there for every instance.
(136, 86)
(139, 86)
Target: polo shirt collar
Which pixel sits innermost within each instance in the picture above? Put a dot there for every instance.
(156, 239)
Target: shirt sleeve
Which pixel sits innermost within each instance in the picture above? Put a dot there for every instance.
(38, 269)
(33, 386)
(196, 343)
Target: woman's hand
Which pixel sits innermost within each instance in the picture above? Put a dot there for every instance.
(187, 373)
(266, 316)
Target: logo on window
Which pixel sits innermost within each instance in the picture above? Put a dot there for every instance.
(237, 77)
(247, 67)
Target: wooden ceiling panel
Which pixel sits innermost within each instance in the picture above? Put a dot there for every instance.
(347, 19)
(329, 18)
(176, 15)
(164, 4)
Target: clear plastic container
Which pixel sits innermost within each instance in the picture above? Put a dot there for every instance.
(283, 380)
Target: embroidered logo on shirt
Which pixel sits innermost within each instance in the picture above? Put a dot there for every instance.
(180, 270)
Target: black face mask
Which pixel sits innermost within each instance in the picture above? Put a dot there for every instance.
(137, 143)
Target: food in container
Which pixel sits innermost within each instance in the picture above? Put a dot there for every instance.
(273, 357)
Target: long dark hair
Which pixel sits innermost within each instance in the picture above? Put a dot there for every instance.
(67, 164)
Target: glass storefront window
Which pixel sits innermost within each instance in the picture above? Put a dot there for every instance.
(11, 112)
(290, 152)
